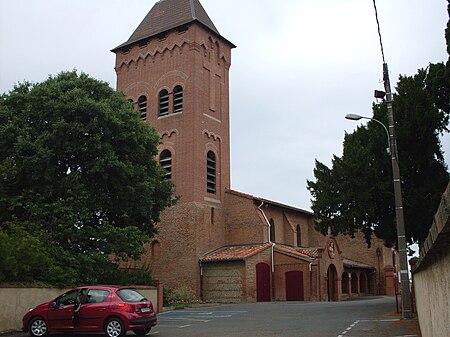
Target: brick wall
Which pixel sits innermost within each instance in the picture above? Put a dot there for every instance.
(186, 58)
(244, 224)
(263, 257)
(284, 264)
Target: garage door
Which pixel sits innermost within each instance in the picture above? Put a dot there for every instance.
(222, 281)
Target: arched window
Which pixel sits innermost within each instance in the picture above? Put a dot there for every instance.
(299, 236)
(163, 103)
(272, 230)
(165, 161)
(142, 107)
(211, 172)
(178, 99)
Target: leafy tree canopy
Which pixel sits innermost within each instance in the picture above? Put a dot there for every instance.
(356, 193)
(79, 182)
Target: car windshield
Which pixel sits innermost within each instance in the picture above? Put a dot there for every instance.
(130, 295)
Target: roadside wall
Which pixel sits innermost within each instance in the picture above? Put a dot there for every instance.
(431, 275)
(15, 302)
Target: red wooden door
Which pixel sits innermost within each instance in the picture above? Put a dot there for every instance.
(262, 282)
(294, 286)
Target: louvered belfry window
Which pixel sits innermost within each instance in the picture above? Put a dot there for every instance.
(211, 172)
(163, 102)
(165, 161)
(178, 99)
(142, 107)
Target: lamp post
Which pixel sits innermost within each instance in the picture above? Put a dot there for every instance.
(401, 237)
(355, 117)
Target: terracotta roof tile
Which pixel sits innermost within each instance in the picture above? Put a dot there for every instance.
(237, 252)
(311, 252)
(295, 252)
(169, 14)
(355, 264)
(270, 202)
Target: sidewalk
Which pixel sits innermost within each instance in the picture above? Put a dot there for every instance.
(391, 325)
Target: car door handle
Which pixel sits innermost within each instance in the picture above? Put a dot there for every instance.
(101, 309)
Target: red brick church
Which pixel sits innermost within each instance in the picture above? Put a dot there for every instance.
(226, 245)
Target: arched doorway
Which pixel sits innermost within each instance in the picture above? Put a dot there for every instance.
(294, 286)
(262, 282)
(345, 283)
(332, 283)
(362, 283)
(354, 283)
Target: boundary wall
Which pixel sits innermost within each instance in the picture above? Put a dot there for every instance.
(15, 301)
(431, 275)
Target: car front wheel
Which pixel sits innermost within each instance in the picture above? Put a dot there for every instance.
(114, 327)
(142, 332)
(38, 327)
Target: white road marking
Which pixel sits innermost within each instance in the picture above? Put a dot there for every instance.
(186, 319)
(372, 320)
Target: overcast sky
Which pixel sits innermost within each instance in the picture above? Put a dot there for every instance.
(299, 67)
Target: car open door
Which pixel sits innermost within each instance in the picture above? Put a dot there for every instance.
(60, 313)
(91, 316)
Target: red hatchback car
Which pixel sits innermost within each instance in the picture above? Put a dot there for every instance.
(110, 309)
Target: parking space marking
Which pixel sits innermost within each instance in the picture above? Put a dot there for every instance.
(181, 319)
(208, 314)
(186, 319)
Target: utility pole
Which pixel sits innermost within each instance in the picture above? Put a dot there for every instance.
(401, 237)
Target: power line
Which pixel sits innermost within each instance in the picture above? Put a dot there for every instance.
(379, 32)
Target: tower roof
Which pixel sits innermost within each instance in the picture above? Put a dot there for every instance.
(169, 14)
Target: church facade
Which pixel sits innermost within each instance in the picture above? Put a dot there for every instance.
(226, 245)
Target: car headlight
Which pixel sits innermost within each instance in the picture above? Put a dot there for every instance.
(31, 309)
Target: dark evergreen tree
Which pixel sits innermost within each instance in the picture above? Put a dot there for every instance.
(356, 193)
(77, 174)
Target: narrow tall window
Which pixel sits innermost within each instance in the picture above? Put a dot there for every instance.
(211, 172)
(163, 102)
(178, 99)
(165, 161)
(299, 236)
(156, 249)
(142, 107)
(272, 230)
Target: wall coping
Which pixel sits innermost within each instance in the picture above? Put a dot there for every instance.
(438, 238)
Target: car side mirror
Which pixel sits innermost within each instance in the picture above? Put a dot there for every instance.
(54, 305)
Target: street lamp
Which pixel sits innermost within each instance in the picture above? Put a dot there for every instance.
(401, 237)
(354, 117)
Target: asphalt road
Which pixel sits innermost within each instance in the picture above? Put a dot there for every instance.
(368, 317)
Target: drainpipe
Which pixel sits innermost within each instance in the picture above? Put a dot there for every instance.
(201, 279)
(273, 244)
(319, 276)
(267, 221)
(310, 281)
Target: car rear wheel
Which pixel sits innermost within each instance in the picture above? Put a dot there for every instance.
(114, 327)
(142, 332)
(38, 327)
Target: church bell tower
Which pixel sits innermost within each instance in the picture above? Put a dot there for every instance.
(174, 67)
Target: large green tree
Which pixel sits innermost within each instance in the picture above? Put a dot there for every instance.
(356, 193)
(78, 178)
